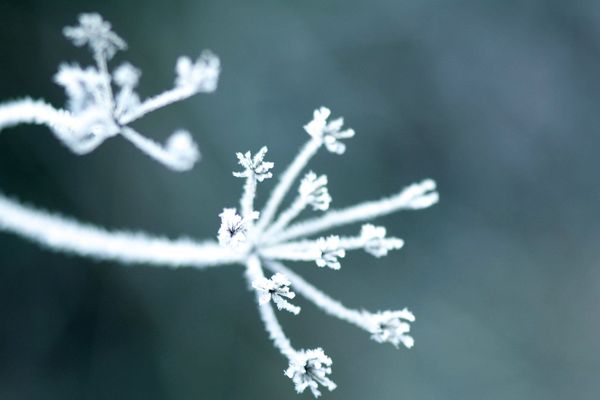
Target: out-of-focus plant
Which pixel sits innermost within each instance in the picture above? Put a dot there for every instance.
(257, 240)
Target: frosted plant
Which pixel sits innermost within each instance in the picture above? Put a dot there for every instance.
(95, 113)
(257, 240)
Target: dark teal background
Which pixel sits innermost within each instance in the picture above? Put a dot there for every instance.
(497, 100)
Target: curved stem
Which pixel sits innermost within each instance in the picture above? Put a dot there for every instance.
(67, 235)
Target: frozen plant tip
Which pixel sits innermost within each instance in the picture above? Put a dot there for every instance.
(277, 289)
(309, 369)
(257, 240)
(102, 104)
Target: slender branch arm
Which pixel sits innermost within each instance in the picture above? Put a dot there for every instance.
(162, 154)
(29, 111)
(287, 179)
(159, 101)
(66, 235)
(267, 314)
(416, 196)
(320, 299)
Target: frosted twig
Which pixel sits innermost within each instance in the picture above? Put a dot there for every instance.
(254, 272)
(414, 197)
(320, 299)
(95, 114)
(58, 233)
(386, 326)
(286, 181)
(180, 152)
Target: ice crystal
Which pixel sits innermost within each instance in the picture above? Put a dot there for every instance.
(277, 289)
(392, 327)
(375, 242)
(309, 369)
(233, 232)
(330, 250)
(254, 166)
(330, 132)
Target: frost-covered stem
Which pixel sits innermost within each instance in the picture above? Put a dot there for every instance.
(106, 79)
(320, 299)
(28, 111)
(155, 150)
(288, 177)
(67, 235)
(267, 314)
(247, 200)
(286, 216)
(416, 196)
(307, 250)
(158, 101)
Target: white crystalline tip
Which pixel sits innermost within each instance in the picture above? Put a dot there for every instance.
(234, 229)
(95, 32)
(391, 327)
(329, 132)
(375, 242)
(126, 75)
(201, 75)
(309, 369)
(182, 146)
(277, 289)
(314, 190)
(330, 251)
(254, 166)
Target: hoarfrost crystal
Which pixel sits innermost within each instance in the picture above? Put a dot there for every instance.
(277, 289)
(314, 190)
(234, 228)
(392, 327)
(94, 114)
(309, 369)
(375, 242)
(330, 250)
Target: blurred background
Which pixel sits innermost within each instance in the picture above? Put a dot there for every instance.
(497, 101)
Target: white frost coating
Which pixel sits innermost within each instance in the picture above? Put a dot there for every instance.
(254, 272)
(233, 232)
(320, 299)
(372, 239)
(180, 152)
(310, 368)
(66, 235)
(286, 181)
(256, 169)
(95, 114)
(87, 124)
(313, 191)
(415, 197)
(277, 289)
(384, 326)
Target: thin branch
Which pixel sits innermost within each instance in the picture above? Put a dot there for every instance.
(282, 343)
(159, 101)
(67, 235)
(416, 196)
(180, 153)
(286, 181)
(320, 299)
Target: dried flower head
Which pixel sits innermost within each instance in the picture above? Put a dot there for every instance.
(309, 369)
(96, 33)
(277, 289)
(392, 327)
